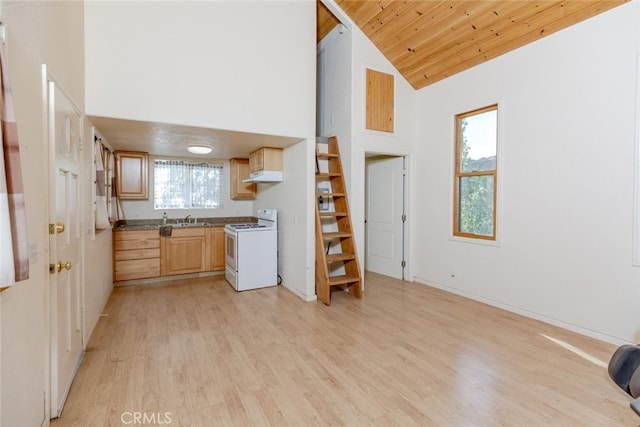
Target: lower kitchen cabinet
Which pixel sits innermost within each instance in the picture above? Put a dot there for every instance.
(144, 254)
(215, 248)
(184, 251)
(136, 254)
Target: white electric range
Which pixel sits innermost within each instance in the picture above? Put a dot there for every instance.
(252, 252)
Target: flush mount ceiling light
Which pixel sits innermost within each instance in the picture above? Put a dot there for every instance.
(198, 149)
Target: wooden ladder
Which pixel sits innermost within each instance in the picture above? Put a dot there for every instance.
(336, 257)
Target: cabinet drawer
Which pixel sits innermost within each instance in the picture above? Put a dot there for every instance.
(124, 245)
(134, 235)
(137, 269)
(138, 254)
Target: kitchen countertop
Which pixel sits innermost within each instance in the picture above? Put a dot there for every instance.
(154, 224)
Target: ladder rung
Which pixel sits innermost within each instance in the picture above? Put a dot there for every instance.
(343, 280)
(330, 194)
(332, 214)
(326, 155)
(340, 257)
(328, 174)
(335, 235)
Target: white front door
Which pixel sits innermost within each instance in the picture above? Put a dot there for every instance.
(65, 130)
(384, 237)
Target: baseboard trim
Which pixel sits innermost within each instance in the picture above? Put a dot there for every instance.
(526, 313)
(163, 279)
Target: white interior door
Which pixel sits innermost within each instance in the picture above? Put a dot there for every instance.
(65, 278)
(384, 216)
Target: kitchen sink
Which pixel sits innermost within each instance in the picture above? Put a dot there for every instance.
(192, 224)
(188, 224)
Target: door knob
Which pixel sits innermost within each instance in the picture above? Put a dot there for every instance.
(56, 228)
(66, 266)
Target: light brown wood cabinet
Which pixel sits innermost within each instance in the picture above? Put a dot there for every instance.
(183, 252)
(215, 249)
(131, 175)
(239, 172)
(144, 254)
(136, 254)
(266, 158)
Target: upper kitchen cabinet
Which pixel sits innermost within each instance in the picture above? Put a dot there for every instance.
(266, 158)
(265, 165)
(240, 171)
(131, 175)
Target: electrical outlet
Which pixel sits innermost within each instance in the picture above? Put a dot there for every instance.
(452, 273)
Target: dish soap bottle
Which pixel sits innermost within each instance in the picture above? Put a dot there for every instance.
(164, 218)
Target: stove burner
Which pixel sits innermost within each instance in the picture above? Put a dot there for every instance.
(244, 226)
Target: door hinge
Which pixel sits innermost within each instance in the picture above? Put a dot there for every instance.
(404, 217)
(403, 263)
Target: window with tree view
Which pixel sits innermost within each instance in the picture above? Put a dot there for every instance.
(474, 211)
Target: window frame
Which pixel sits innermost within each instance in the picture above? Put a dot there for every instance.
(458, 175)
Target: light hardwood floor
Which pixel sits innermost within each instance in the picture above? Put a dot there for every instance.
(196, 353)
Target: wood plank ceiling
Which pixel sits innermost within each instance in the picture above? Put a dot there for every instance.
(428, 41)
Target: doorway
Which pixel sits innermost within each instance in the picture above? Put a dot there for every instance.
(386, 214)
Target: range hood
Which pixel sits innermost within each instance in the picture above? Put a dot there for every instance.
(265, 176)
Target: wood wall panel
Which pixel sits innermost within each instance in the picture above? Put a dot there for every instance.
(380, 101)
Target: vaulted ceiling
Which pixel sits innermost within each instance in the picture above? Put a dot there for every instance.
(428, 41)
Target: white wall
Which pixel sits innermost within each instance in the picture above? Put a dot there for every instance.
(97, 244)
(567, 113)
(567, 110)
(37, 33)
(48, 33)
(335, 81)
(296, 221)
(216, 64)
(242, 66)
(352, 53)
(274, 95)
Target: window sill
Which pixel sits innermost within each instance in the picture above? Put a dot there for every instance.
(483, 242)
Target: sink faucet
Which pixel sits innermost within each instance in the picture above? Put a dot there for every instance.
(186, 219)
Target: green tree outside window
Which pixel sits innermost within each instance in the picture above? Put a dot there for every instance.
(476, 173)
